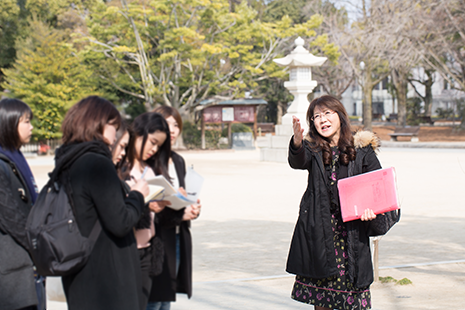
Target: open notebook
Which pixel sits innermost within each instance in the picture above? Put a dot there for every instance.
(178, 201)
(376, 190)
(155, 193)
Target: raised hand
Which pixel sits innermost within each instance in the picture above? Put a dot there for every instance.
(298, 131)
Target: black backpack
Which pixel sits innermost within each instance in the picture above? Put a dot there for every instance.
(55, 242)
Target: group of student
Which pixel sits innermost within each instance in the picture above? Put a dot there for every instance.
(143, 255)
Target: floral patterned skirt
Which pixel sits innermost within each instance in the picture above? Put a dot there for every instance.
(335, 292)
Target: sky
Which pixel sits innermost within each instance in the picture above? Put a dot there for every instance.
(353, 7)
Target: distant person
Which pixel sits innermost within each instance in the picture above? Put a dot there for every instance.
(173, 227)
(331, 259)
(111, 277)
(18, 192)
(43, 148)
(148, 154)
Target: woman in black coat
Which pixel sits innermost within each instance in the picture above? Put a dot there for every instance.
(148, 154)
(18, 192)
(173, 227)
(111, 277)
(331, 259)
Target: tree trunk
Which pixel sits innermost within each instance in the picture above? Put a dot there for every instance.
(367, 100)
(462, 115)
(186, 117)
(400, 82)
(367, 108)
(402, 103)
(175, 89)
(279, 113)
(429, 93)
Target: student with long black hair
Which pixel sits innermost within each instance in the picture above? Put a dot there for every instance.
(18, 192)
(173, 227)
(148, 155)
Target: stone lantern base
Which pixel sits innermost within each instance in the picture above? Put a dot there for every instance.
(274, 148)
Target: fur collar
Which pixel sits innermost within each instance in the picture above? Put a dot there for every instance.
(365, 138)
(362, 138)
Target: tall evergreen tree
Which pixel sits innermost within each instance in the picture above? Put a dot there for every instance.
(49, 76)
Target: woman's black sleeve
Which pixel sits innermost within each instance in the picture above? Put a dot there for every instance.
(299, 158)
(117, 213)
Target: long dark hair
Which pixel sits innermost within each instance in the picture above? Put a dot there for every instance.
(143, 125)
(123, 168)
(11, 111)
(346, 140)
(86, 120)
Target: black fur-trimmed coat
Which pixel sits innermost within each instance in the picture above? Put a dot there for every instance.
(311, 252)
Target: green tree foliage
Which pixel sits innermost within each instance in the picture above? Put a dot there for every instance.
(180, 52)
(52, 11)
(49, 76)
(277, 96)
(15, 16)
(192, 136)
(9, 13)
(12, 24)
(277, 9)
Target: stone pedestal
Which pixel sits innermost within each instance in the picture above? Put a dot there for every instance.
(275, 147)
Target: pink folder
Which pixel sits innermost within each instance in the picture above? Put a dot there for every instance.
(376, 190)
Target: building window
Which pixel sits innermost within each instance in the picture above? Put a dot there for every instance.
(385, 83)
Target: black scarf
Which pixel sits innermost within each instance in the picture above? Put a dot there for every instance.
(67, 154)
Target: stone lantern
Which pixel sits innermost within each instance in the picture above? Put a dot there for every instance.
(300, 83)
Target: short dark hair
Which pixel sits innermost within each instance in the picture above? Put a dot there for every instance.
(143, 125)
(86, 120)
(168, 111)
(11, 111)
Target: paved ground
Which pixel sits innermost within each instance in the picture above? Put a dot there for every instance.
(249, 209)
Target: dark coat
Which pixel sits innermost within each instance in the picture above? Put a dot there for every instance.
(311, 252)
(111, 277)
(166, 285)
(17, 288)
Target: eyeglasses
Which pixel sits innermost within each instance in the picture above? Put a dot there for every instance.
(318, 117)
